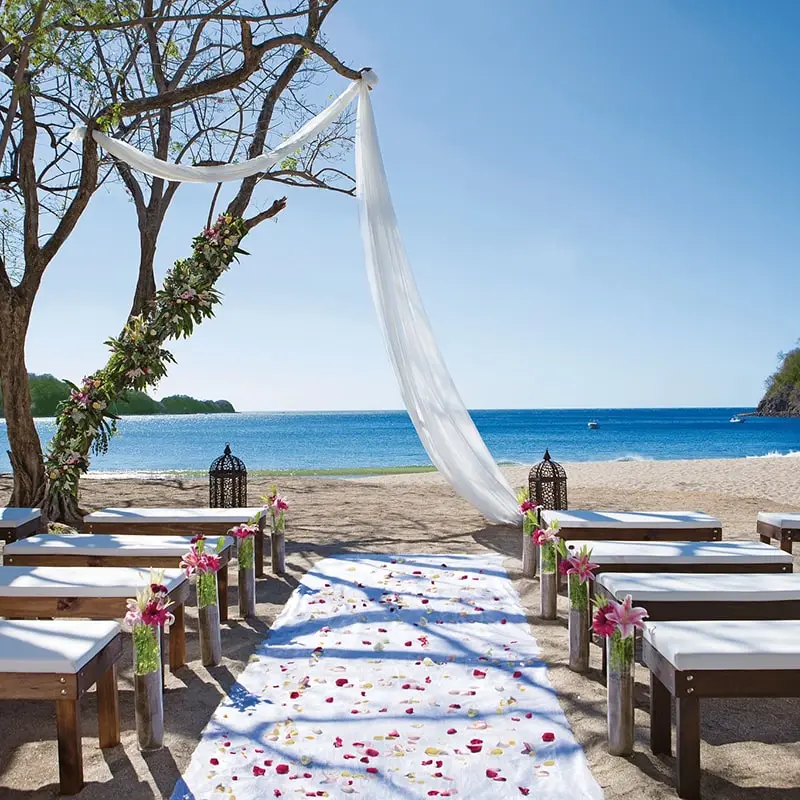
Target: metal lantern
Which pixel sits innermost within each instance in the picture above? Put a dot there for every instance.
(227, 482)
(547, 483)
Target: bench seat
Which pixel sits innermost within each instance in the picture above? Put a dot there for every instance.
(116, 550)
(784, 526)
(60, 660)
(690, 660)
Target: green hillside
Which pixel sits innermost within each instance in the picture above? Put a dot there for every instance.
(782, 398)
(47, 392)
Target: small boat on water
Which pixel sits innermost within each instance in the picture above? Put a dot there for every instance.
(736, 418)
(593, 423)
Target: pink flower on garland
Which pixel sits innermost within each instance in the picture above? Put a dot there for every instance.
(601, 624)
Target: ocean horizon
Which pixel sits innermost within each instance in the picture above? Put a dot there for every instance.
(353, 442)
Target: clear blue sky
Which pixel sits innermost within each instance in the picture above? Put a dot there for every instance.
(600, 202)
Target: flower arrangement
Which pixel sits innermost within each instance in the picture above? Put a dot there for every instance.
(85, 422)
(145, 617)
(278, 507)
(579, 569)
(618, 622)
(205, 565)
(547, 539)
(528, 510)
(245, 538)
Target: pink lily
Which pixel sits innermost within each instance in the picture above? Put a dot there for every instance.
(581, 566)
(626, 617)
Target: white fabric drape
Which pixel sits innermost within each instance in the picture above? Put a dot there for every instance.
(440, 418)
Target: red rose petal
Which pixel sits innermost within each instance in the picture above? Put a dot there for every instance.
(214, 762)
(517, 674)
(451, 731)
(341, 681)
(372, 770)
(490, 773)
(371, 751)
(258, 770)
(282, 769)
(547, 736)
(328, 699)
(523, 791)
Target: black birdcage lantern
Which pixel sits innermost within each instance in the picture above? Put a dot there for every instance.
(227, 482)
(547, 483)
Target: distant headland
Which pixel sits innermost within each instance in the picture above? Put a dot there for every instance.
(782, 398)
(47, 392)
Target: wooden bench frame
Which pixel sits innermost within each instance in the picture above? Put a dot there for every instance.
(67, 689)
(54, 607)
(189, 528)
(13, 533)
(627, 534)
(124, 559)
(688, 687)
(767, 532)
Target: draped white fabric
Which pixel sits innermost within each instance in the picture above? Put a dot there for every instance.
(442, 422)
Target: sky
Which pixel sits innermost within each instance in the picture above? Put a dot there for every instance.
(599, 201)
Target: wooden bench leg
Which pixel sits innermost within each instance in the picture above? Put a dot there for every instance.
(660, 717)
(259, 549)
(688, 747)
(222, 592)
(108, 708)
(70, 758)
(765, 538)
(177, 639)
(786, 543)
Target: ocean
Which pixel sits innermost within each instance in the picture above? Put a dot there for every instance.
(342, 441)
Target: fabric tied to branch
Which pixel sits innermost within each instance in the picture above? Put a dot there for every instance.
(444, 426)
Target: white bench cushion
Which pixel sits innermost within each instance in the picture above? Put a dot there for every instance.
(110, 544)
(142, 516)
(14, 517)
(611, 552)
(784, 519)
(728, 645)
(61, 646)
(79, 581)
(668, 520)
(666, 587)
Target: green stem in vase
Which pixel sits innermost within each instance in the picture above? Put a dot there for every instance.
(246, 553)
(206, 589)
(621, 656)
(547, 552)
(578, 593)
(147, 652)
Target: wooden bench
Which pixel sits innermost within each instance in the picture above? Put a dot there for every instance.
(694, 596)
(18, 523)
(98, 593)
(785, 528)
(635, 525)
(109, 550)
(61, 660)
(211, 522)
(693, 660)
(705, 557)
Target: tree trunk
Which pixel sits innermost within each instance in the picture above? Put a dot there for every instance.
(26, 449)
(146, 284)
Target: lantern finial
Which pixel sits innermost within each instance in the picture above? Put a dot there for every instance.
(547, 454)
(227, 448)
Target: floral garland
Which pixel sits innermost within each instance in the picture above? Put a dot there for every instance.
(85, 422)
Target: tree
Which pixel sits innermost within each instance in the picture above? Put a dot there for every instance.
(179, 76)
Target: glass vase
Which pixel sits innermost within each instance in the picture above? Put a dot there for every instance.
(578, 625)
(148, 687)
(619, 655)
(208, 619)
(548, 581)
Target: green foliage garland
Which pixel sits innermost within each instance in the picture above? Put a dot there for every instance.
(85, 422)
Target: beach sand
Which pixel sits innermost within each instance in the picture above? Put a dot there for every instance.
(751, 748)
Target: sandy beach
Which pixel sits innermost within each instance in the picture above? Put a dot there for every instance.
(751, 749)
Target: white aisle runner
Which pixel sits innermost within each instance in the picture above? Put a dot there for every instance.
(394, 677)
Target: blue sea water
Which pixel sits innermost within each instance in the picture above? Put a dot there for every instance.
(350, 440)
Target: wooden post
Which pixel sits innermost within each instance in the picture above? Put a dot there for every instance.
(70, 759)
(222, 592)
(247, 593)
(277, 542)
(687, 747)
(529, 549)
(149, 706)
(108, 708)
(660, 717)
(210, 641)
(177, 639)
(259, 545)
